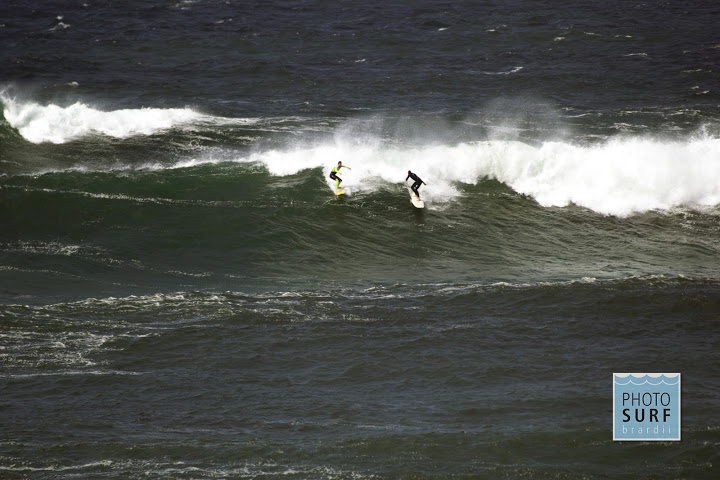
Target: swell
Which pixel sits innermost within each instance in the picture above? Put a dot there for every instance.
(233, 225)
(90, 330)
(360, 367)
(618, 175)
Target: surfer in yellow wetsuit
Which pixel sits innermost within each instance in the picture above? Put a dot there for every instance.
(335, 171)
(416, 185)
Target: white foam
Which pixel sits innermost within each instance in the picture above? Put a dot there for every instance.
(619, 177)
(53, 123)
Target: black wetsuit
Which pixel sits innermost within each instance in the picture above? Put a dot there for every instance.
(415, 185)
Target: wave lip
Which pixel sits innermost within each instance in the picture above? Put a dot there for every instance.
(624, 176)
(621, 177)
(55, 124)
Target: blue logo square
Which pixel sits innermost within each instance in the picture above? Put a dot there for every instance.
(646, 406)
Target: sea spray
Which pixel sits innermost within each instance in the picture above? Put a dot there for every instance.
(56, 124)
(619, 177)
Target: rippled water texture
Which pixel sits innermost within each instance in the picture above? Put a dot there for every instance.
(183, 296)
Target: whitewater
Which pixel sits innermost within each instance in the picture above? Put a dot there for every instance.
(55, 124)
(618, 176)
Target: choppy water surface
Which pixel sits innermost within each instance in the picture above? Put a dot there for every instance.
(182, 295)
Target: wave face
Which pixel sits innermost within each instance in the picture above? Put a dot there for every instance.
(615, 176)
(228, 219)
(221, 202)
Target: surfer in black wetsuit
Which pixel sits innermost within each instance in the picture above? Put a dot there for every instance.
(416, 185)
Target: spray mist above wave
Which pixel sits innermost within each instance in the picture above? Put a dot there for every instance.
(55, 124)
(619, 177)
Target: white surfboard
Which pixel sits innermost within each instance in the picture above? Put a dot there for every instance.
(416, 201)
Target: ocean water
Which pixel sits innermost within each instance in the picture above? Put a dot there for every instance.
(182, 295)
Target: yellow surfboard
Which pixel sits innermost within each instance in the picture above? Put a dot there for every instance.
(340, 191)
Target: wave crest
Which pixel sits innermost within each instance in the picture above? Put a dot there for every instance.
(620, 177)
(55, 124)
